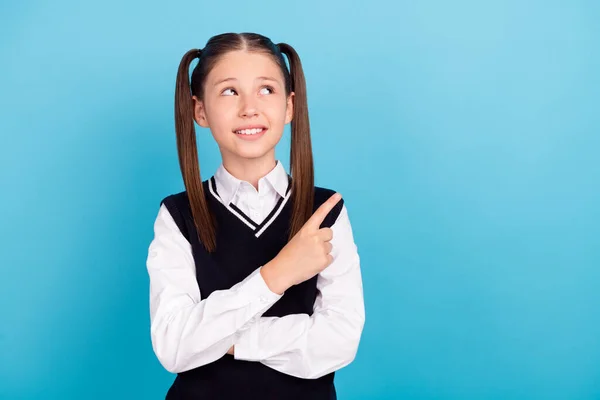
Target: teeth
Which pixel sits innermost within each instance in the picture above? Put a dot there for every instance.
(249, 131)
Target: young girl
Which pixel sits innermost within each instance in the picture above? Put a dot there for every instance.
(255, 283)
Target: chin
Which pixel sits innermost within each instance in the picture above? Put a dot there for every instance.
(253, 154)
(254, 150)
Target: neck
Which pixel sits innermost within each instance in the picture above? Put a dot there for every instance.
(250, 169)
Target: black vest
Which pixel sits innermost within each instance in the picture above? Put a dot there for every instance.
(243, 246)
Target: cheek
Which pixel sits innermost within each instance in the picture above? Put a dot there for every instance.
(219, 122)
(278, 113)
(219, 115)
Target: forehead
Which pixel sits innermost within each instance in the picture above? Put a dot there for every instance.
(242, 65)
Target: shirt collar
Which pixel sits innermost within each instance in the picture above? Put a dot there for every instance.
(228, 185)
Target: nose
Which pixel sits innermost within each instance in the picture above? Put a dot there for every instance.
(248, 107)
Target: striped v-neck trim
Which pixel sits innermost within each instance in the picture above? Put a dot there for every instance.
(258, 229)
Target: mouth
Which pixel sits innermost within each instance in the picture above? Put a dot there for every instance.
(250, 133)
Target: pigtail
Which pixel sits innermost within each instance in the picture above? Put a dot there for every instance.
(188, 153)
(301, 157)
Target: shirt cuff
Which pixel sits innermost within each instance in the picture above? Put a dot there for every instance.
(254, 286)
(257, 295)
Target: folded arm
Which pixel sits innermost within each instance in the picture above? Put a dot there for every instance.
(312, 346)
(188, 332)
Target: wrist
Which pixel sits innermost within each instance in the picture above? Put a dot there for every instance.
(273, 277)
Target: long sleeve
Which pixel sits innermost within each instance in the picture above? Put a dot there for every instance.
(312, 346)
(188, 332)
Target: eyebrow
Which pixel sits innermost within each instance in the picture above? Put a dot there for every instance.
(261, 78)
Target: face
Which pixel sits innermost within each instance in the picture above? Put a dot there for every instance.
(245, 106)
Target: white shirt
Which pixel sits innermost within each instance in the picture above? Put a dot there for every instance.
(188, 332)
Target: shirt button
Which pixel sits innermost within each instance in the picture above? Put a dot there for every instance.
(263, 299)
(153, 254)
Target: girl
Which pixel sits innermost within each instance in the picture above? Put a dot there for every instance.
(255, 283)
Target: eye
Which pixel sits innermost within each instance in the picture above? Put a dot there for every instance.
(269, 88)
(225, 91)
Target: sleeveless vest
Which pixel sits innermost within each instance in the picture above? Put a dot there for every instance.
(243, 246)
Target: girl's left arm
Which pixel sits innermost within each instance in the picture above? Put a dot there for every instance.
(312, 346)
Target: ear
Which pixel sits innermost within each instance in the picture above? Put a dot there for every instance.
(200, 112)
(289, 111)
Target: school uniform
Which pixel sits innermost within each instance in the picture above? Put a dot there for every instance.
(286, 346)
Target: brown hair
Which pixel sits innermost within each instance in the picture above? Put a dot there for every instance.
(301, 158)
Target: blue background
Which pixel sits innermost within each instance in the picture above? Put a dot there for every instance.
(464, 136)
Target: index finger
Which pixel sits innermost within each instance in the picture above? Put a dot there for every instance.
(315, 221)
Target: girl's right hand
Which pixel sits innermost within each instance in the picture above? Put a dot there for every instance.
(305, 255)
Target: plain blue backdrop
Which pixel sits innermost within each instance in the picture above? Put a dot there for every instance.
(463, 135)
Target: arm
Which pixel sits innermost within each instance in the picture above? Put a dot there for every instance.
(312, 346)
(188, 332)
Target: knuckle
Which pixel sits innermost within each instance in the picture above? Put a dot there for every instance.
(326, 232)
(304, 233)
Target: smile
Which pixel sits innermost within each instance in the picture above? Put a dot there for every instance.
(250, 131)
(250, 134)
